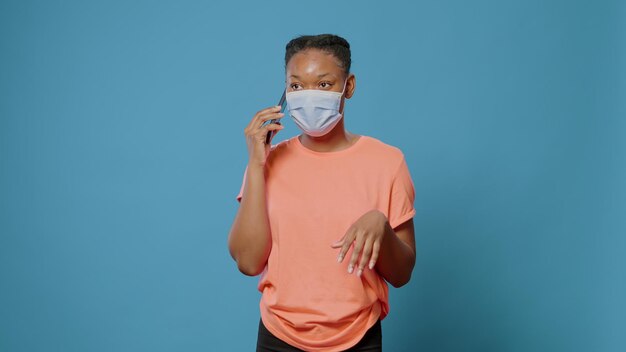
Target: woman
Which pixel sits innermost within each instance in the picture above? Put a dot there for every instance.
(325, 216)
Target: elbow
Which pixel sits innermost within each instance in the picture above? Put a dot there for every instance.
(404, 279)
(401, 281)
(250, 270)
(246, 267)
(250, 261)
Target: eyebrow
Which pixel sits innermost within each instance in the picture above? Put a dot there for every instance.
(318, 76)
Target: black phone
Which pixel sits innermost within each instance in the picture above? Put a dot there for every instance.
(282, 103)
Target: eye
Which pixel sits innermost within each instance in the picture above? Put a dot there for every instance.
(295, 86)
(325, 84)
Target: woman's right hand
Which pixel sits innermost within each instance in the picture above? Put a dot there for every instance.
(256, 133)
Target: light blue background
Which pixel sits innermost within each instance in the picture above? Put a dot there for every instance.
(122, 151)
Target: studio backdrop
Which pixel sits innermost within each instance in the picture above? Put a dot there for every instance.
(122, 151)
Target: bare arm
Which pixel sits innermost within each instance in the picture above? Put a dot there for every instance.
(249, 239)
(377, 244)
(396, 258)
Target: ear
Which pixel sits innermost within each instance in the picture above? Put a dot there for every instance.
(350, 86)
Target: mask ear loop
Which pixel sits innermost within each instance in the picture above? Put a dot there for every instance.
(345, 84)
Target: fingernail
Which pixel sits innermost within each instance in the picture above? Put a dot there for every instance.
(350, 269)
(359, 272)
(339, 259)
(371, 265)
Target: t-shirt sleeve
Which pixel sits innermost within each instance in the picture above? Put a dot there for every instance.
(242, 184)
(402, 196)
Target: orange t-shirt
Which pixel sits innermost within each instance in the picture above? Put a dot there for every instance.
(308, 299)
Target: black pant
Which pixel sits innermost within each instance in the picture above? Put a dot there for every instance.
(372, 341)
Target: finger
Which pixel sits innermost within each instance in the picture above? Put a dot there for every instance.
(255, 122)
(356, 251)
(268, 115)
(338, 243)
(375, 251)
(263, 120)
(261, 134)
(266, 110)
(347, 242)
(365, 256)
(272, 131)
(271, 127)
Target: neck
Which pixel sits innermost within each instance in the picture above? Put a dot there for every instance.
(337, 139)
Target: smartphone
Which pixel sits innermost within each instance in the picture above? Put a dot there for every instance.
(282, 103)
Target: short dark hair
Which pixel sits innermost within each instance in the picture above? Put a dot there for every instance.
(329, 43)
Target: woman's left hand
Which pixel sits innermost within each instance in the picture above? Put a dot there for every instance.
(367, 233)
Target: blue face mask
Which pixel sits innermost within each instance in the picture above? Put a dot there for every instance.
(315, 111)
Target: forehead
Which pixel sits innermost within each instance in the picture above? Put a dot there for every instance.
(313, 61)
